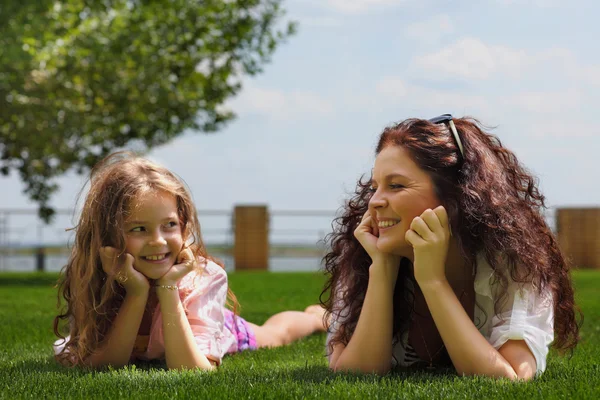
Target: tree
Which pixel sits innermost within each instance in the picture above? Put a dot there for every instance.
(81, 78)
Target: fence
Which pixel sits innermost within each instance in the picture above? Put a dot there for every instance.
(27, 244)
(268, 239)
(579, 235)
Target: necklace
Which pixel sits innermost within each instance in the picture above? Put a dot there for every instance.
(430, 366)
(431, 357)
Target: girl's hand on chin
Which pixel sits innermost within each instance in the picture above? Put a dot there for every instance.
(185, 263)
(429, 235)
(120, 268)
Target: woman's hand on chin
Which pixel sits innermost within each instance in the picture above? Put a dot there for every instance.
(367, 234)
(429, 235)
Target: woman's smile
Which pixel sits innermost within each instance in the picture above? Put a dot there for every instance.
(386, 224)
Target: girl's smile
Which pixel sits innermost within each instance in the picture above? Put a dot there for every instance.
(158, 258)
(153, 233)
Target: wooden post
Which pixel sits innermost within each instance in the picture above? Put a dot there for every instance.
(578, 231)
(40, 259)
(251, 243)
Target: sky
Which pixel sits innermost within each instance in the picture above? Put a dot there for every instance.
(307, 126)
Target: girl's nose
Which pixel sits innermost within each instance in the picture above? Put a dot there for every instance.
(157, 239)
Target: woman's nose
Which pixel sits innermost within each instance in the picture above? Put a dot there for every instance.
(377, 200)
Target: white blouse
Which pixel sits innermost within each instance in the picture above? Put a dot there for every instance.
(521, 315)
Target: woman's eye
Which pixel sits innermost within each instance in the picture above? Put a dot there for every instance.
(372, 189)
(396, 186)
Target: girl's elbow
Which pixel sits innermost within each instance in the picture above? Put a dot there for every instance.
(210, 368)
(194, 366)
(98, 364)
(381, 370)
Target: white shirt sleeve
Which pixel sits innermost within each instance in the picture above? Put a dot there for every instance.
(59, 345)
(205, 310)
(525, 315)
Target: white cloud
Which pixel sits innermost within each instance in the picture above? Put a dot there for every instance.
(591, 74)
(452, 101)
(546, 101)
(358, 6)
(537, 3)
(310, 103)
(320, 21)
(470, 58)
(279, 105)
(566, 64)
(395, 91)
(391, 86)
(561, 128)
(430, 30)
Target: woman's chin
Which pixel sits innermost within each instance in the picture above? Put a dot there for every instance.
(396, 247)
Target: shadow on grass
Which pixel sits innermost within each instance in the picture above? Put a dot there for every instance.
(322, 374)
(310, 374)
(29, 279)
(44, 366)
(51, 366)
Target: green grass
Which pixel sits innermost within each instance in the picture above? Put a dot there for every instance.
(27, 369)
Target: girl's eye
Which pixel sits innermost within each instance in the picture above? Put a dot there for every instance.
(172, 224)
(138, 229)
(372, 189)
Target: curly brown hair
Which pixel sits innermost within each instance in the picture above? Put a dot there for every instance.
(92, 297)
(494, 207)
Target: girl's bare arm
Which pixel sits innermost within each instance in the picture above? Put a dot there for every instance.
(117, 347)
(181, 351)
(118, 344)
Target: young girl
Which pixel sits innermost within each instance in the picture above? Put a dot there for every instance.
(140, 285)
(444, 258)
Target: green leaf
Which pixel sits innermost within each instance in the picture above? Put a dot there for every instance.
(74, 73)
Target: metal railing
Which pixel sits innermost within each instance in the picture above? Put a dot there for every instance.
(25, 238)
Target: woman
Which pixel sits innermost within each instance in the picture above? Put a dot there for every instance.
(443, 257)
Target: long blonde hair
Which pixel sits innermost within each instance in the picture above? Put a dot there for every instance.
(92, 297)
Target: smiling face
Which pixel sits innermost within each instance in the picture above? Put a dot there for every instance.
(153, 233)
(402, 191)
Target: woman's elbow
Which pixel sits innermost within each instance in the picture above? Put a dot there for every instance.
(525, 375)
(507, 373)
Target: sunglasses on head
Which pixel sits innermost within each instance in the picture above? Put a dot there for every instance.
(447, 118)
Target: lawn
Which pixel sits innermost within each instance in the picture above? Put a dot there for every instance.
(27, 369)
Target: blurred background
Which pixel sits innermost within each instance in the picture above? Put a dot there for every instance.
(277, 105)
